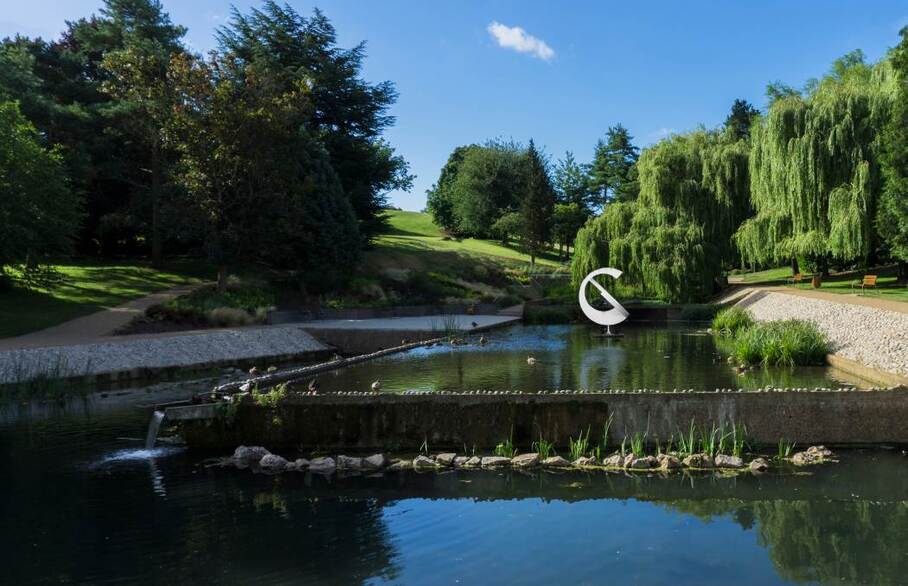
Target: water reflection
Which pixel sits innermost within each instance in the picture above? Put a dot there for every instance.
(569, 357)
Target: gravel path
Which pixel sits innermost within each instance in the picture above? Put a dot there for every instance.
(195, 349)
(874, 337)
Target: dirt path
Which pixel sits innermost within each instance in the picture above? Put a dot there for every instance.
(95, 326)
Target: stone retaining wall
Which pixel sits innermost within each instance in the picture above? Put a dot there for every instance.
(373, 421)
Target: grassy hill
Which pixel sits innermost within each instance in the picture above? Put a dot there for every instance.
(414, 263)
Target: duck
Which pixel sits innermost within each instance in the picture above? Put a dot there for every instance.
(254, 370)
(376, 386)
(313, 385)
(482, 341)
(531, 361)
(474, 324)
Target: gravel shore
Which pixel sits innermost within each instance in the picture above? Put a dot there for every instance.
(874, 337)
(196, 349)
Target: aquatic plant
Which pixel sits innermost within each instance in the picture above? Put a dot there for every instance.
(273, 398)
(731, 320)
(424, 448)
(785, 450)
(638, 444)
(782, 343)
(687, 443)
(506, 448)
(603, 441)
(708, 441)
(623, 449)
(544, 448)
(580, 446)
(738, 439)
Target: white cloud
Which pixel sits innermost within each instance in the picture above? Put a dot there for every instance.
(662, 133)
(514, 37)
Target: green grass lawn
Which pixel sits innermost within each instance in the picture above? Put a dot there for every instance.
(887, 285)
(90, 287)
(414, 233)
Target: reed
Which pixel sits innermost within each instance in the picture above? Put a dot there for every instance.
(580, 446)
(730, 321)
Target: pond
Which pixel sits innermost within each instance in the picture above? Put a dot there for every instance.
(569, 357)
(83, 503)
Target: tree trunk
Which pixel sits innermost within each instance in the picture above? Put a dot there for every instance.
(903, 272)
(156, 204)
(222, 278)
(794, 266)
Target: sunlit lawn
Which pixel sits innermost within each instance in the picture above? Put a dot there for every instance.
(414, 232)
(89, 287)
(887, 285)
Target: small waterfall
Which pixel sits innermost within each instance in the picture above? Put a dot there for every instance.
(153, 426)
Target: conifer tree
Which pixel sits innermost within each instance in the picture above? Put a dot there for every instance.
(538, 204)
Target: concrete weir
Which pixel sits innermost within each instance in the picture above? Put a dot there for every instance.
(372, 421)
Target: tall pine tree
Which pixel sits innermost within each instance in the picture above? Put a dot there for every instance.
(613, 173)
(537, 207)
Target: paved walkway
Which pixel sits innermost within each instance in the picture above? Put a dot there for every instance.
(867, 300)
(425, 323)
(95, 326)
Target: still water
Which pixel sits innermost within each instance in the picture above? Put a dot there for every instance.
(569, 357)
(81, 502)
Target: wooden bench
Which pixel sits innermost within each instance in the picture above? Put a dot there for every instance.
(867, 282)
(797, 278)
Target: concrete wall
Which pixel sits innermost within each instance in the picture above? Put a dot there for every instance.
(452, 421)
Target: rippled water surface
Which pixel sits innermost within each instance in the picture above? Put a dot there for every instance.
(570, 357)
(84, 503)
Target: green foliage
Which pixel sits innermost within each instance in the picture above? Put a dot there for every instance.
(740, 118)
(613, 173)
(673, 241)
(815, 168)
(892, 220)
(784, 451)
(731, 320)
(506, 447)
(39, 213)
(638, 445)
(543, 448)
(542, 314)
(699, 312)
(783, 343)
(347, 113)
(273, 398)
(579, 447)
(263, 189)
(572, 183)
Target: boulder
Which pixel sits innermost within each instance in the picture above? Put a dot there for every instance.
(556, 462)
(349, 463)
(616, 460)
(249, 454)
(460, 461)
(525, 461)
(400, 465)
(322, 465)
(272, 462)
(644, 463)
(585, 461)
(473, 462)
(495, 461)
(820, 451)
(698, 461)
(806, 458)
(668, 462)
(375, 462)
(759, 465)
(424, 462)
(723, 461)
(446, 459)
(298, 465)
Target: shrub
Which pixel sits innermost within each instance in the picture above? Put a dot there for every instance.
(732, 320)
(226, 317)
(785, 343)
(549, 315)
(699, 312)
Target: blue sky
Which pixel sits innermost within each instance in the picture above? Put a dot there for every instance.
(657, 67)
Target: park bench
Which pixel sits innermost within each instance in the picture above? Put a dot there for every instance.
(795, 279)
(867, 282)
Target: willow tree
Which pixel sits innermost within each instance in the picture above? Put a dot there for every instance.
(815, 172)
(674, 240)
